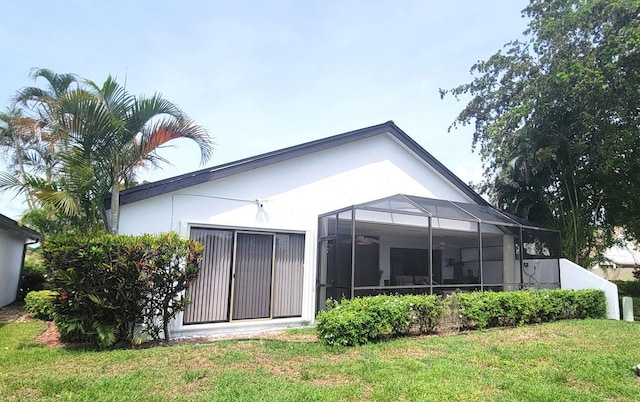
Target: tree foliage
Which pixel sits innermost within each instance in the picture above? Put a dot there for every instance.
(74, 142)
(557, 120)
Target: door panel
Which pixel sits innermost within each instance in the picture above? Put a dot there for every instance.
(288, 273)
(253, 276)
(209, 294)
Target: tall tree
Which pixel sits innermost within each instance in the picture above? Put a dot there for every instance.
(557, 119)
(113, 133)
(32, 172)
(16, 140)
(85, 141)
(52, 195)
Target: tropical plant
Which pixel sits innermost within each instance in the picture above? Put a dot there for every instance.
(84, 142)
(16, 140)
(36, 170)
(110, 286)
(113, 133)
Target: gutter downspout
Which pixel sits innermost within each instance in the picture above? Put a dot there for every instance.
(107, 224)
(24, 254)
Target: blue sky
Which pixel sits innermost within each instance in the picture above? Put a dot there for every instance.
(263, 75)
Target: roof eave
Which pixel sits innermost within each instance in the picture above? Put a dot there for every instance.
(13, 226)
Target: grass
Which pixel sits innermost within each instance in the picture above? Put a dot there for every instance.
(588, 360)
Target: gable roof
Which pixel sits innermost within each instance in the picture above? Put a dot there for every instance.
(13, 226)
(149, 190)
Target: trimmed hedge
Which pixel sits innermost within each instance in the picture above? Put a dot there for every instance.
(500, 309)
(110, 286)
(361, 320)
(39, 304)
(358, 321)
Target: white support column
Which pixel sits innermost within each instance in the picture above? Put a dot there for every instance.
(508, 263)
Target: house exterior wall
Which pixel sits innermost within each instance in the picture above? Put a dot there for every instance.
(11, 255)
(288, 197)
(615, 272)
(573, 276)
(620, 262)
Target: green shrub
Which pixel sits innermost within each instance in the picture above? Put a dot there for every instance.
(551, 305)
(361, 320)
(32, 277)
(345, 327)
(426, 310)
(110, 285)
(39, 304)
(585, 304)
(628, 288)
(489, 309)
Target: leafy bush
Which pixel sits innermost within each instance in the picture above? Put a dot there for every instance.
(360, 320)
(426, 311)
(110, 285)
(489, 309)
(39, 304)
(33, 275)
(628, 288)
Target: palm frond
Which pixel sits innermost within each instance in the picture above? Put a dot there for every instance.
(9, 181)
(144, 109)
(58, 83)
(166, 130)
(61, 201)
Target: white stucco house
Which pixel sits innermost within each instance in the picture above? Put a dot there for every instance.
(619, 262)
(14, 239)
(364, 212)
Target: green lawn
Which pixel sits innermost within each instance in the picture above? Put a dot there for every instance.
(587, 360)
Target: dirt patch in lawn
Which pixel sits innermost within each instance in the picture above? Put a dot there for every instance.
(14, 312)
(50, 337)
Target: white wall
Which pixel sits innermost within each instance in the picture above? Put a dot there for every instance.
(296, 192)
(11, 254)
(573, 276)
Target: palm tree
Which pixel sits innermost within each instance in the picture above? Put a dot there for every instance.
(46, 102)
(114, 133)
(16, 142)
(37, 144)
(30, 164)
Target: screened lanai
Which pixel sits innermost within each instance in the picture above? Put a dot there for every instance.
(408, 244)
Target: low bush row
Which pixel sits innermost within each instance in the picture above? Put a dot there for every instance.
(361, 320)
(357, 321)
(109, 286)
(500, 309)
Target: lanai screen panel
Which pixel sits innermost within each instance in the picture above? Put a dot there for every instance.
(442, 209)
(486, 214)
(396, 203)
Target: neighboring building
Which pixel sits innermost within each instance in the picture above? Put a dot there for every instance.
(14, 239)
(620, 262)
(364, 212)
